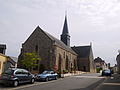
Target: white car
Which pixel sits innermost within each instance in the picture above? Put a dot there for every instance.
(106, 72)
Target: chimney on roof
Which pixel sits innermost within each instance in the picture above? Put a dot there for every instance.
(2, 48)
(91, 44)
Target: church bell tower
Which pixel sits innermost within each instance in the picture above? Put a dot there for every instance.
(65, 37)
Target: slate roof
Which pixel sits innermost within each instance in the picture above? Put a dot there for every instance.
(98, 59)
(58, 42)
(82, 51)
(65, 27)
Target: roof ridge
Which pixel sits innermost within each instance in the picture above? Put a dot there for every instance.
(82, 46)
(59, 42)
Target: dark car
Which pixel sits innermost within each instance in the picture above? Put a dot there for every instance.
(46, 76)
(16, 76)
(106, 72)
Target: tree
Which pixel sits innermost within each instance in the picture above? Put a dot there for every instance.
(30, 60)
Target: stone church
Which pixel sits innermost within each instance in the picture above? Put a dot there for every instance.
(55, 54)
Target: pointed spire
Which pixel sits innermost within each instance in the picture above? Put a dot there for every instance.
(65, 37)
(65, 27)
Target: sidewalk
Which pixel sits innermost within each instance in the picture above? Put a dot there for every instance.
(72, 74)
(111, 83)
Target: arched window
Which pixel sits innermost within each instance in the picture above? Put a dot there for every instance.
(36, 48)
(67, 63)
(64, 54)
(59, 63)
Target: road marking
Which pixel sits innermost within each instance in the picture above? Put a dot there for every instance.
(116, 84)
(89, 77)
(35, 84)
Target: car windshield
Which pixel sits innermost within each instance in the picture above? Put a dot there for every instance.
(107, 71)
(46, 72)
(9, 72)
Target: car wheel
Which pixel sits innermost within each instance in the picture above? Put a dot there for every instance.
(32, 80)
(56, 77)
(15, 83)
(47, 79)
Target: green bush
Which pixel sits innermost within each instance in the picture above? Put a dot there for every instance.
(98, 70)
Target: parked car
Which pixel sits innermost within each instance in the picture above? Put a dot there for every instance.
(47, 75)
(16, 76)
(106, 72)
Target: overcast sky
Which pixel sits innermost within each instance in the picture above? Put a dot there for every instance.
(96, 21)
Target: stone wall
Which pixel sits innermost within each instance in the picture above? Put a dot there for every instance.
(41, 44)
(92, 64)
(50, 53)
(83, 64)
(67, 59)
(3, 59)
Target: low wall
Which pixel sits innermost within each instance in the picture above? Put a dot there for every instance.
(71, 74)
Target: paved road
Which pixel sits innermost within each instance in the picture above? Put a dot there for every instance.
(111, 83)
(79, 82)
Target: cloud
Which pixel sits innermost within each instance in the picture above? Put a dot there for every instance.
(89, 7)
(95, 11)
